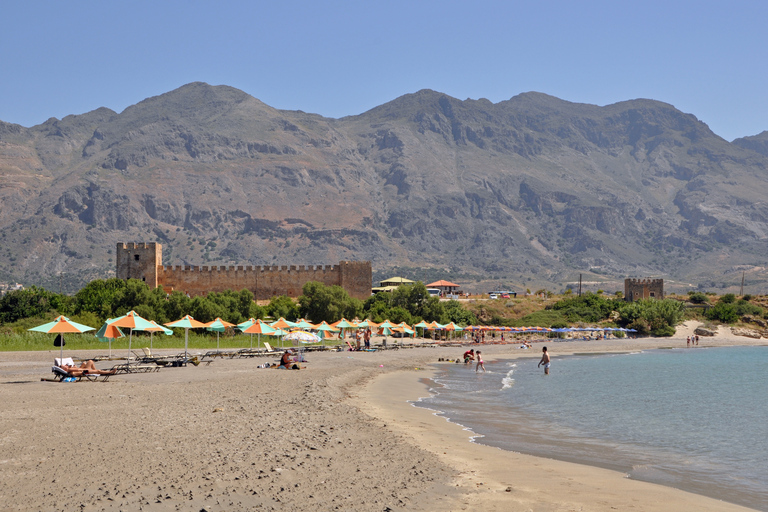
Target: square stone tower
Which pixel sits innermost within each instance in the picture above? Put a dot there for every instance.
(139, 261)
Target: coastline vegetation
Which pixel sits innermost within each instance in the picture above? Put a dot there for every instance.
(101, 300)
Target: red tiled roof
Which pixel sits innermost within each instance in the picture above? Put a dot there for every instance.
(441, 283)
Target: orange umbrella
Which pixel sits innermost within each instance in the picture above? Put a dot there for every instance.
(259, 328)
(187, 323)
(62, 325)
(282, 323)
(219, 326)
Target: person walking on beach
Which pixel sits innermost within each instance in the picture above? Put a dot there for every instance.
(688, 342)
(479, 362)
(545, 360)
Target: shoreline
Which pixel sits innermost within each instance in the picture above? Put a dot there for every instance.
(496, 479)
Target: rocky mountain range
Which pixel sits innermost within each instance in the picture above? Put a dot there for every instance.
(524, 193)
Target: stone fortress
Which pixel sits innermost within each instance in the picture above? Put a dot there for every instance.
(636, 289)
(145, 261)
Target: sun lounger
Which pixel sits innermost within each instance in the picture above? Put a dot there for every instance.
(60, 374)
(135, 368)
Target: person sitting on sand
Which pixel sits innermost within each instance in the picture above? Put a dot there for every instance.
(86, 367)
(469, 355)
(285, 360)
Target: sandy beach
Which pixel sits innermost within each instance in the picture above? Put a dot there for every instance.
(337, 435)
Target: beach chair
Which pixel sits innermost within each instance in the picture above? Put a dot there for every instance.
(60, 374)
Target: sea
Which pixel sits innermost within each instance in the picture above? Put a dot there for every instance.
(691, 418)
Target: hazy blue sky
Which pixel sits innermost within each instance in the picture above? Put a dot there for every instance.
(336, 58)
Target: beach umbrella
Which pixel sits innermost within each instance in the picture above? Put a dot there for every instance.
(302, 337)
(219, 326)
(344, 324)
(244, 325)
(108, 333)
(303, 324)
(367, 323)
(62, 325)
(134, 322)
(282, 323)
(156, 328)
(258, 327)
(424, 325)
(186, 323)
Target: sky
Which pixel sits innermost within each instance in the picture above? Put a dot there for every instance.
(337, 58)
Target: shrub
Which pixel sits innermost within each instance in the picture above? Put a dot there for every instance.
(697, 298)
(722, 312)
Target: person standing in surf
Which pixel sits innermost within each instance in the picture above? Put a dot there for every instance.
(545, 360)
(479, 362)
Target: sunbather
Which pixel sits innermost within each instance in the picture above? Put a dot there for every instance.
(285, 361)
(87, 367)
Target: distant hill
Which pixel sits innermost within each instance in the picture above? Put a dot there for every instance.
(527, 192)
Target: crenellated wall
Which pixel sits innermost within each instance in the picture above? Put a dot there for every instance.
(264, 281)
(636, 289)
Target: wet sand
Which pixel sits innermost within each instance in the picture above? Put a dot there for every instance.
(337, 435)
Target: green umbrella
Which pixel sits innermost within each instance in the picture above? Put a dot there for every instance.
(244, 325)
(303, 324)
(134, 322)
(186, 323)
(157, 328)
(62, 325)
(258, 327)
(219, 326)
(108, 333)
(424, 325)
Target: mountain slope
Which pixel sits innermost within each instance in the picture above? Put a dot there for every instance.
(529, 191)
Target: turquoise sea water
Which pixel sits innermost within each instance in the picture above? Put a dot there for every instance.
(695, 419)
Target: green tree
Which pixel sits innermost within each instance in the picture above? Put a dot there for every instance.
(283, 306)
(455, 312)
(99, 297)
(319, 302)
(31, 302)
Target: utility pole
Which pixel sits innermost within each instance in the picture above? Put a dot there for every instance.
(741, 293)
(579, 285)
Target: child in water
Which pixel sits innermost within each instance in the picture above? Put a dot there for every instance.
(479, 362)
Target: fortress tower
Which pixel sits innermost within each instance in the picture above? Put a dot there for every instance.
(636, 289)
(139, 261)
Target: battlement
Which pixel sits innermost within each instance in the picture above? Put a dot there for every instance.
(121, 246)
(257, 268)
(144, 261)
(647, 282)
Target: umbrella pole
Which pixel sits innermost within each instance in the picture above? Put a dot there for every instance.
(217, 341)
(258, 340)
(150, 340)
(61, 350)
(251, 341)
(110, 347)
(186, 343)
(130, 338)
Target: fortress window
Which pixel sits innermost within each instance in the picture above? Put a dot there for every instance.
(136, 257)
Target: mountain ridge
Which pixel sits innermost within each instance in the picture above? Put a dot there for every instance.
(529, 191)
